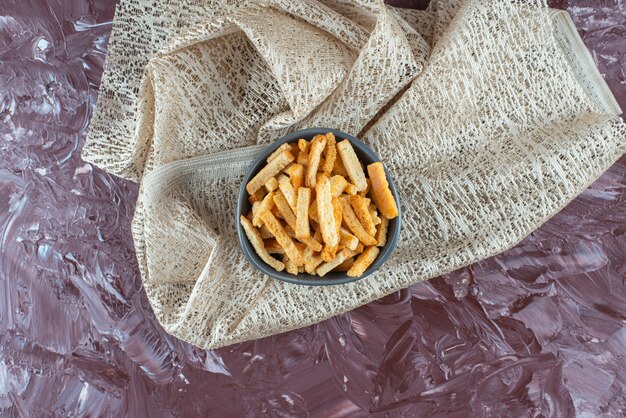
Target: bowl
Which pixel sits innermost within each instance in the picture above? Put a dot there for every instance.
(367, 156)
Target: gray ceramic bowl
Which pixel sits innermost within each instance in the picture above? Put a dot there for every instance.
(367, 156)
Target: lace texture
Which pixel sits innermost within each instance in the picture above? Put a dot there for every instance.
(489, 115)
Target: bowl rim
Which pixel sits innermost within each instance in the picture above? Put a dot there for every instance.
(305, 278)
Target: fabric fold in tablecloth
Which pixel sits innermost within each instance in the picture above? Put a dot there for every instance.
(490, 116)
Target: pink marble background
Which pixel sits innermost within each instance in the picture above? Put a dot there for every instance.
(537, 331)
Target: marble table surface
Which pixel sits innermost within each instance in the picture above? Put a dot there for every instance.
(539, 330)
